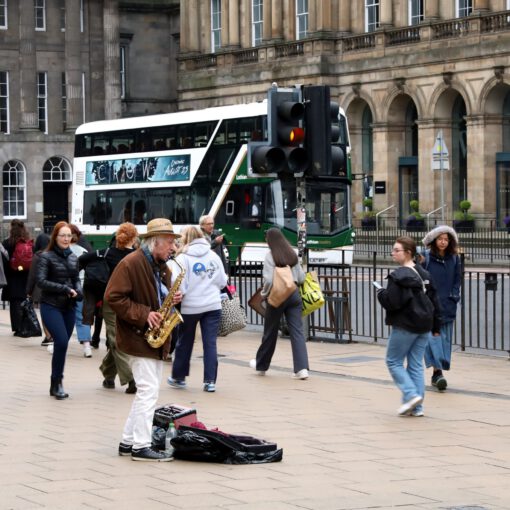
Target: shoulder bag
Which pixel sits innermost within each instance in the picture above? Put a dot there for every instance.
(258, 302)
(233, 316)
(283, 286)
(311, 294)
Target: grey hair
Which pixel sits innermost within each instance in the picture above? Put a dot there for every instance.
(203, 219)
(151, 242)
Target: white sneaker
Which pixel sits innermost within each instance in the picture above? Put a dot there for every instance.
(410, 405)
(253, 364)
(87, 351)
(50, 348)
(302, 374)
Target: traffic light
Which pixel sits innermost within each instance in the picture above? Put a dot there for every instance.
(283, 151)
(326, 152)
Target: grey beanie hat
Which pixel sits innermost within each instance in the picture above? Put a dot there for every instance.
(433, 234)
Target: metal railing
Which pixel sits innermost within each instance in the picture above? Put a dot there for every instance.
(352, 312)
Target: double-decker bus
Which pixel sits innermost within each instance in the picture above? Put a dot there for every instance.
(186, 164)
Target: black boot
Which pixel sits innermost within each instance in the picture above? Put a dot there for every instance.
(57, 390)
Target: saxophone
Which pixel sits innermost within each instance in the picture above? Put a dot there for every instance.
(156, 337)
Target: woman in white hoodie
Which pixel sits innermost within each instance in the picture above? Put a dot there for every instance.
(201, 303)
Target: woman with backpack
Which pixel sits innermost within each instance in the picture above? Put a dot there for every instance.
(412, 311)
(19, 247)
(443, 264)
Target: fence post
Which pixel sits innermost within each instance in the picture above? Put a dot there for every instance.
(374, 294)
(462, 305)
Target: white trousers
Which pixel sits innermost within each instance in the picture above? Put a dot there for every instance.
(147, 374)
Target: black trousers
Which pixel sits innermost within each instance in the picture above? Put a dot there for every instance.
(292, 311)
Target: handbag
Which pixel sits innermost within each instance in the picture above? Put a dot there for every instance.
(311, 294)
(258, 303)
(97, 274)
(283, 286)
(233, 316)
(29, 323)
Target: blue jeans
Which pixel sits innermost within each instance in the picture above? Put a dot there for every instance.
(209, 324)
(60, 324)
(402, 345)
(82, 330)
(438, 353)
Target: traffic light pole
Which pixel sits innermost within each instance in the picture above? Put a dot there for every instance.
(301, 233)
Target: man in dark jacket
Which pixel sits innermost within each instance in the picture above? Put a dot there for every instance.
(136, 290)
(215, 238)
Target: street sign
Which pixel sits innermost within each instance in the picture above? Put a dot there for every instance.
(440, 154)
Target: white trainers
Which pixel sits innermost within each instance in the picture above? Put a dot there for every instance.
(409, 405)
(50, 348)
(87, 351)
(302, 374)
(253, 364)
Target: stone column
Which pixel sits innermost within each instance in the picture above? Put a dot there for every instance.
(429, 181)
(480, 6)
(184, 30)
(385, 168)
(386, 15)
(431, 10)
(314, 15)
(73, 67)
(233, 23)
(28, 69)
(276, 19)
(112, 100)
(344, 22)
(225, 34)
(484, 140)
(193, 38)
(267, 17)
(204, 15)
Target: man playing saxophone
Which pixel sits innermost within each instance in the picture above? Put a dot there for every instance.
(137, 289)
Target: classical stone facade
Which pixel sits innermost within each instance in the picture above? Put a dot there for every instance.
(400, 79)
(74, 61)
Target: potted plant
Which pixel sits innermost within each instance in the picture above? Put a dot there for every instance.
(506, 221)
(368, 219)
(415, 221)
(464, 221)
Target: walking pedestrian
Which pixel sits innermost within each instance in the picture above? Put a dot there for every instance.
(32, 290)
(116, 362)
(15, 290)
(281, 254)
(83, 331)
(442, 261)
(203, 280)
(412, 311)
(58, 278)
(136, 290)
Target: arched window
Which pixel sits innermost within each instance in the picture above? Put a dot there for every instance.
(57, 169)
(14, 189)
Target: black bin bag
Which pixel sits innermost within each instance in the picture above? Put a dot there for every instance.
(210, 446)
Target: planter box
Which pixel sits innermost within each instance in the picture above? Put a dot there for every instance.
(368, 224)
(464, 225)
(415, 225)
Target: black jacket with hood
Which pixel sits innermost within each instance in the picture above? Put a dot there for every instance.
(404, 308)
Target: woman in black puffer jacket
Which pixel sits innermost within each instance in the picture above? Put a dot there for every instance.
(57, 277)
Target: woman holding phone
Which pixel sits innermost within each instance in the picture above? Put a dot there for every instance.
(412, 311)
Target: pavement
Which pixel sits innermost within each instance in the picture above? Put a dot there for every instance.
(344, 447)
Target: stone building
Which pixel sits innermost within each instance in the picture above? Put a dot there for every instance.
(65, 62)
(403, 70)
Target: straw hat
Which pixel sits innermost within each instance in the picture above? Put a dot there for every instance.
(159, 227)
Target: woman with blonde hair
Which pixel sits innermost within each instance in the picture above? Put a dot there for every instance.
(201, 303)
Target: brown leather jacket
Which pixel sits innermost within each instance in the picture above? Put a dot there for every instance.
(132, 294)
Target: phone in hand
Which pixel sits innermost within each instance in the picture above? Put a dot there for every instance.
(377, 285)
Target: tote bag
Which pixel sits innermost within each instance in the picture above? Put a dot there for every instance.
(311, 294)
(283, 286)
(258, 302)
(233, 317)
